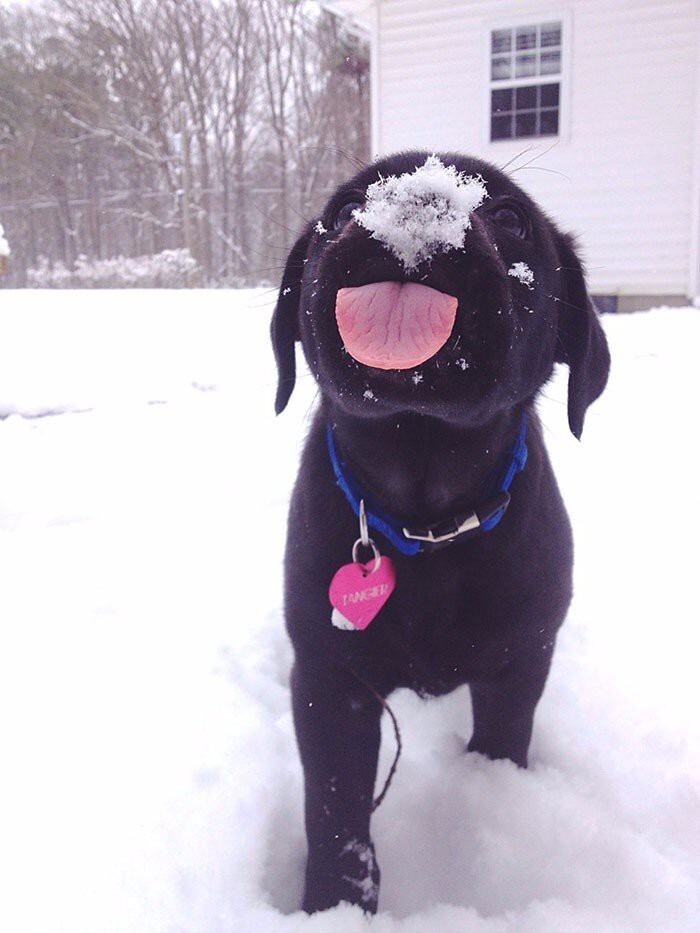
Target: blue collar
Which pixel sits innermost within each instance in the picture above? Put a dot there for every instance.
(412, 541)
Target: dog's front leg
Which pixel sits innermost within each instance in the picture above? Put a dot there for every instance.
(504, 708)
(337, 727)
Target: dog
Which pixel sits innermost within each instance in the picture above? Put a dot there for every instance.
(424, 486)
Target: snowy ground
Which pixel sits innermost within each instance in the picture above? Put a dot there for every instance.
(150, 779)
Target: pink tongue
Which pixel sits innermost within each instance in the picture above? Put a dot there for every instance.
(394, 325)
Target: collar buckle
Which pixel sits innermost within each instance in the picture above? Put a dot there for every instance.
(444, 531)
(452, 528)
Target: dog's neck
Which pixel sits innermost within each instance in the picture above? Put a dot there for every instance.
(420, 468)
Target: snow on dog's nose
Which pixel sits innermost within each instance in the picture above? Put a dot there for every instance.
(421, 213)
(394, 325)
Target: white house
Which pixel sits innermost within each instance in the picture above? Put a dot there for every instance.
(600, 97)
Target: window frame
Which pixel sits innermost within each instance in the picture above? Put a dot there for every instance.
(563, 78)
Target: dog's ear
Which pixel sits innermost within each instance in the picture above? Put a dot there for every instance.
(581, 344)
(284, 329)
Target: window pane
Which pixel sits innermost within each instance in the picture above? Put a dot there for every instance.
(525, 52)
(525, 124)
(549, 122)
(526, 37)
(525, 65)
(502, 100)
(500, 68)
(501, 127)
(550, 34)
(549, 95)
(550, 63)
(526, 98)
(501, 40)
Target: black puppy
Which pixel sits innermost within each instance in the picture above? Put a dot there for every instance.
(479, 539)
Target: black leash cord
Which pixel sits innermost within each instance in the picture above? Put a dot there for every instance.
(397, 733)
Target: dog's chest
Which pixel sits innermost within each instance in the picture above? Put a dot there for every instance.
(444, 625)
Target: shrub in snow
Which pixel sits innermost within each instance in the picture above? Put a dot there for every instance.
(47, 275)
(422, 212)
(173, 268)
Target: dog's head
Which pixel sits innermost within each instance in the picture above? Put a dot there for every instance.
(436, 285)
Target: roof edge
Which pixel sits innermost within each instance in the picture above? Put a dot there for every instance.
(357, 14)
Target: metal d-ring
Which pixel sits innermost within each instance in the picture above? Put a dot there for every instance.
(365, 540)
(375, 551)
(364, 531)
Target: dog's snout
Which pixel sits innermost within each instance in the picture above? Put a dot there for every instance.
(373, 269)
(480, 246)
(457, 272)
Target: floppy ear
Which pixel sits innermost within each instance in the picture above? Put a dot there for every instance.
(284, 329)
(581, 344)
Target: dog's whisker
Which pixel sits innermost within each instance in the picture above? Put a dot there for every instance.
(272, 220)
(266, 294)
(282, 249)
(561, 344)
(567, 303)
(357, 162)
(550, 398)
(271, 269)
(541, 168)
(540, 155)
(547, 430)
(299, 214)
(311, 410)
(574, 269)
(516, 157)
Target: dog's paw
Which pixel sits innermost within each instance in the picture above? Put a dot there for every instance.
(362, 873)
(352, 878)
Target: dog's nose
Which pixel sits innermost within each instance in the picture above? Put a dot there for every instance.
(422, 213)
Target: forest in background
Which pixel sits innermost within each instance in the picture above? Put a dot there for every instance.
(196, 136)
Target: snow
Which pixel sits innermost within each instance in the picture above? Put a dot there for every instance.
(366, 885)
(4, 245)
(523, 273)
(421, 212)
(150, 776)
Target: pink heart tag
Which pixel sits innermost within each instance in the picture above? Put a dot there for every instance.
(358, 593)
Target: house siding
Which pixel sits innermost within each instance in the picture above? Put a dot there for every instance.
(621, 174)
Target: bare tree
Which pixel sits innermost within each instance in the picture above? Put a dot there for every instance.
(235, 129)
(132, 126)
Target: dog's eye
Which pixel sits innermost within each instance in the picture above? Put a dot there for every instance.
(512, 219)
(344, 215)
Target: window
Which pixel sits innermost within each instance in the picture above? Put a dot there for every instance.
(525, 81)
